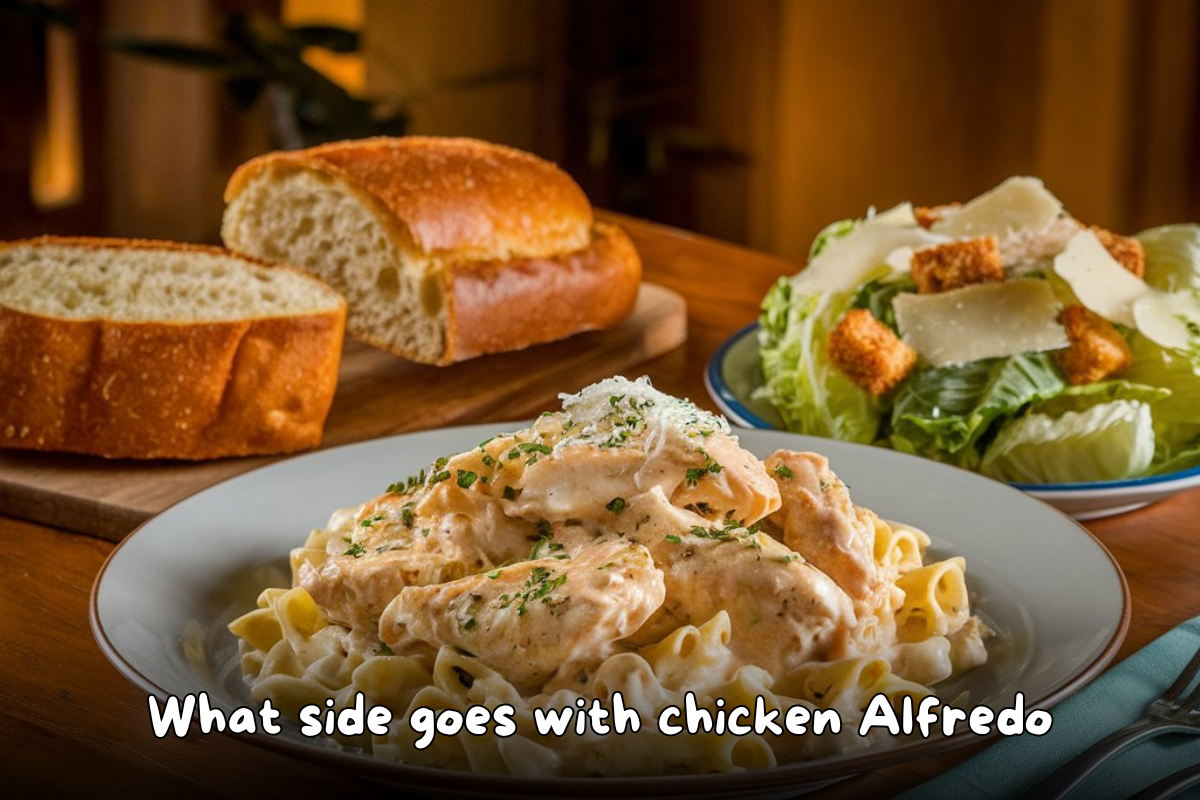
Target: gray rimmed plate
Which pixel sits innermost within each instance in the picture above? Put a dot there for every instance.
(161, 602)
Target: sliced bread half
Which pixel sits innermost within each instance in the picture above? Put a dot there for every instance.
(140, 349)
(445, 249)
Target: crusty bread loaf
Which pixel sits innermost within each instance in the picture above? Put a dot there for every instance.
(139, 349)
(445, 249)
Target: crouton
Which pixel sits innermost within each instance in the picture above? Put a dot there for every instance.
(868, 353)
(1096, 350)
(928, 215)
(956, 264)
(1125, 249)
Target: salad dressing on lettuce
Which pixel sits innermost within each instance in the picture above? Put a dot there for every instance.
(1003, 335)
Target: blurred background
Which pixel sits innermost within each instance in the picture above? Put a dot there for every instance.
(755, 121)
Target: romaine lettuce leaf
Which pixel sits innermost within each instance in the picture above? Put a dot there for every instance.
(834, 230)
(811, 395)
(1172, 256)
(1169, 368)
(1083, 397)
(1177, 447)
(876, 296)
(943, 412)
(1106, 442)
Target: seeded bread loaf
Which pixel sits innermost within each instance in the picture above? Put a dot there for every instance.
(445, 249)
(139, 349)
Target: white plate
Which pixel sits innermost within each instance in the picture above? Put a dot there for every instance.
(161, 602)
(735, 371)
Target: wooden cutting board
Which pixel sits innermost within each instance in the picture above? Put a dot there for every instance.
(378, 395)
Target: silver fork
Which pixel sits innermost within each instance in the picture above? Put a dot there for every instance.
(1170, 713)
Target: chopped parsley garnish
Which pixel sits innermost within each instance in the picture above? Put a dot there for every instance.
(406, 515)
(672, 538)
(544, 541)
(408, 484)
(784, 471)
(694, 474)
(616, 505)
(369, 521)
(532, 449)
(488, 461)
(510, 493)
(384, 650)
(538, 586)
(440, 476)
(355, 549)
(466, 621)
(466, 478)
(732, 532)
(617, 439)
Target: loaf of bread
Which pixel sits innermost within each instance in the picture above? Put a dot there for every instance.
(139, 349)
(445, 249)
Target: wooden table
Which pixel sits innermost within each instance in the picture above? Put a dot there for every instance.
(69, 721)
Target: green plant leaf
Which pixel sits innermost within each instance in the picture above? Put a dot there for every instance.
(810, 393)
(339, 40)
(180, 55)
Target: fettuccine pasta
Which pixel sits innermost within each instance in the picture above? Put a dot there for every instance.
(628, 546)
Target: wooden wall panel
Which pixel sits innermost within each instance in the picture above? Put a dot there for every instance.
(444, 57)
(161, 129)
(1086, 113)
(882, 102)
(1166, 184)
(844, 105)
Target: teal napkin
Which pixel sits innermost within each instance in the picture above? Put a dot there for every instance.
(1112, 701)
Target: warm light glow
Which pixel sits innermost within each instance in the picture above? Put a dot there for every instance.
(347, 70)
(56, 179)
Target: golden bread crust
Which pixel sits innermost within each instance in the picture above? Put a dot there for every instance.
(465, 197)
(506, 242)
(498, 306)
(171, 390)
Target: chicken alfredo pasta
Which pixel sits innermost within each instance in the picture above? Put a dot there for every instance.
(628, 545)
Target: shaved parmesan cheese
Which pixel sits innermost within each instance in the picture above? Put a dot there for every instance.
(900, 259)
(851, 260)
(983, 321)
(1015, 205)
(603, 405)
(1100, 283)
(1169, 319)
(901, 215)
(1028, 248)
